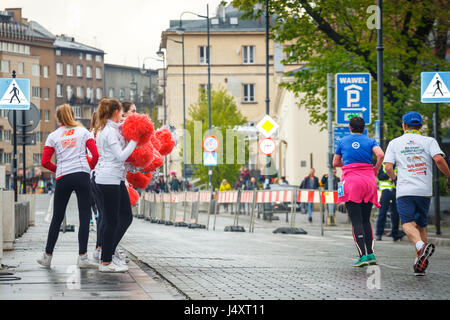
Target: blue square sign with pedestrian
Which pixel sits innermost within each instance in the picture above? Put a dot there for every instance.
(353, 97)
(435, 87)
(14, 94)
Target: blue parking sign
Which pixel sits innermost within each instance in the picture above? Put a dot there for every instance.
(353, 97)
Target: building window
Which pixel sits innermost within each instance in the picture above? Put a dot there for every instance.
(36, 70)
(21, 68)
(69, 70)
(88, 56)
(98, 58)
(80, 56)
(98, 73)
(4, 66)
(37, 158)
(59, 69)
(99, 93)
(36, 92)
(45, 69)
(203, 88)
(7, 135)
(88, 72)
(77, 111)
(111, 93)
(302, 163)
(46, 93)
(38, 136)
(58, 52)
(7, 157)
(59, 90)
(46, 115)
(249, 54)
(89, 93)
(79, 70)
(69, 92)
(249, 93)
(204, 56)
(121, 94)
(79, 92)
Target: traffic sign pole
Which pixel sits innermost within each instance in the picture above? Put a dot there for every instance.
(14, 170)
(437, 204)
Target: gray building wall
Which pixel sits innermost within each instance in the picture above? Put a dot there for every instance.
(121, 83)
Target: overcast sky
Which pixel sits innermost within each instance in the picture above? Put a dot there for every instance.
(127, 30)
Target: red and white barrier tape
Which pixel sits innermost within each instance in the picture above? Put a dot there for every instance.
(227, 197)
(247, 196)
(274, 196)
(205, 196)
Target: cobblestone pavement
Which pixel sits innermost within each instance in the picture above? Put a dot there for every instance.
(215, 265)
(207, 264)
(65, 281)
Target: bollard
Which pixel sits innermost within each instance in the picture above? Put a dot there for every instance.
(7, 205)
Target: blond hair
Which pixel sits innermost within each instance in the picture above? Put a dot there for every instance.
(105, 111)
(93, 121)
(64, 114)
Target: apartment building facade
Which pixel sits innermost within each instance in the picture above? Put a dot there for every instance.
(133, 84)
(80, 77)
(27, 48)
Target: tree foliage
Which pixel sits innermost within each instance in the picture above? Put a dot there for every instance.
(224, 116)
(332, 36)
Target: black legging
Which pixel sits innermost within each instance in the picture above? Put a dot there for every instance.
(359, 214)
(97, 202)
(80, 183)
(117, 217)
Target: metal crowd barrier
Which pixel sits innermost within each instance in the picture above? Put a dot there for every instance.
(192, 209)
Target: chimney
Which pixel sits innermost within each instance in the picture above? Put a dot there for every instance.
(17, 13)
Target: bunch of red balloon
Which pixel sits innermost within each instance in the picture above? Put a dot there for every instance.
(152, 147)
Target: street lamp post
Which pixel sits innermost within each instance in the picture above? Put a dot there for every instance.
(161, 54)
(180, 31)
(134, 83)
(380, 49)
(209, 73)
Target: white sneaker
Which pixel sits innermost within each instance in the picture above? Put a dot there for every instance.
(112, 267)
(118, 261)
(97, 254)
(45, 261)
(121, 255)
(84, 263)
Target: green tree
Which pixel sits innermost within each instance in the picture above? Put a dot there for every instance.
(224, 116)
(331, 36)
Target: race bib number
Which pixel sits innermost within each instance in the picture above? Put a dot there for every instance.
(340, 189)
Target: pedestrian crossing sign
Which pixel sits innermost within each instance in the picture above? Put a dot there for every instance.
(435, 87)
(209, 159)
(14, 94)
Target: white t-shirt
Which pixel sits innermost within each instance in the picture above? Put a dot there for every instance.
(70, 149)
(413, 154)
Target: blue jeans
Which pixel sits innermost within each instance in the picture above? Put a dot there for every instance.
(387, 201)
(310, 209)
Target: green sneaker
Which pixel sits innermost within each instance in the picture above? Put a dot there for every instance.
(371, 259)
(362, 262)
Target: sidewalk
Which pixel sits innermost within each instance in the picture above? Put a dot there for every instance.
(65, 280)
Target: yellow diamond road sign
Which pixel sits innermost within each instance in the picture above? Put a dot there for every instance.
(267, 126)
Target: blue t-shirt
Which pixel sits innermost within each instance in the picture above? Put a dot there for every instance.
(356, 148)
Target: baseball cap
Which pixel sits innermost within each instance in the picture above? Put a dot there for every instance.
(412, 118)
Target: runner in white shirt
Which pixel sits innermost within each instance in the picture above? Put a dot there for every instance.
(72, 169)
(110, 178)
(414, 155)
